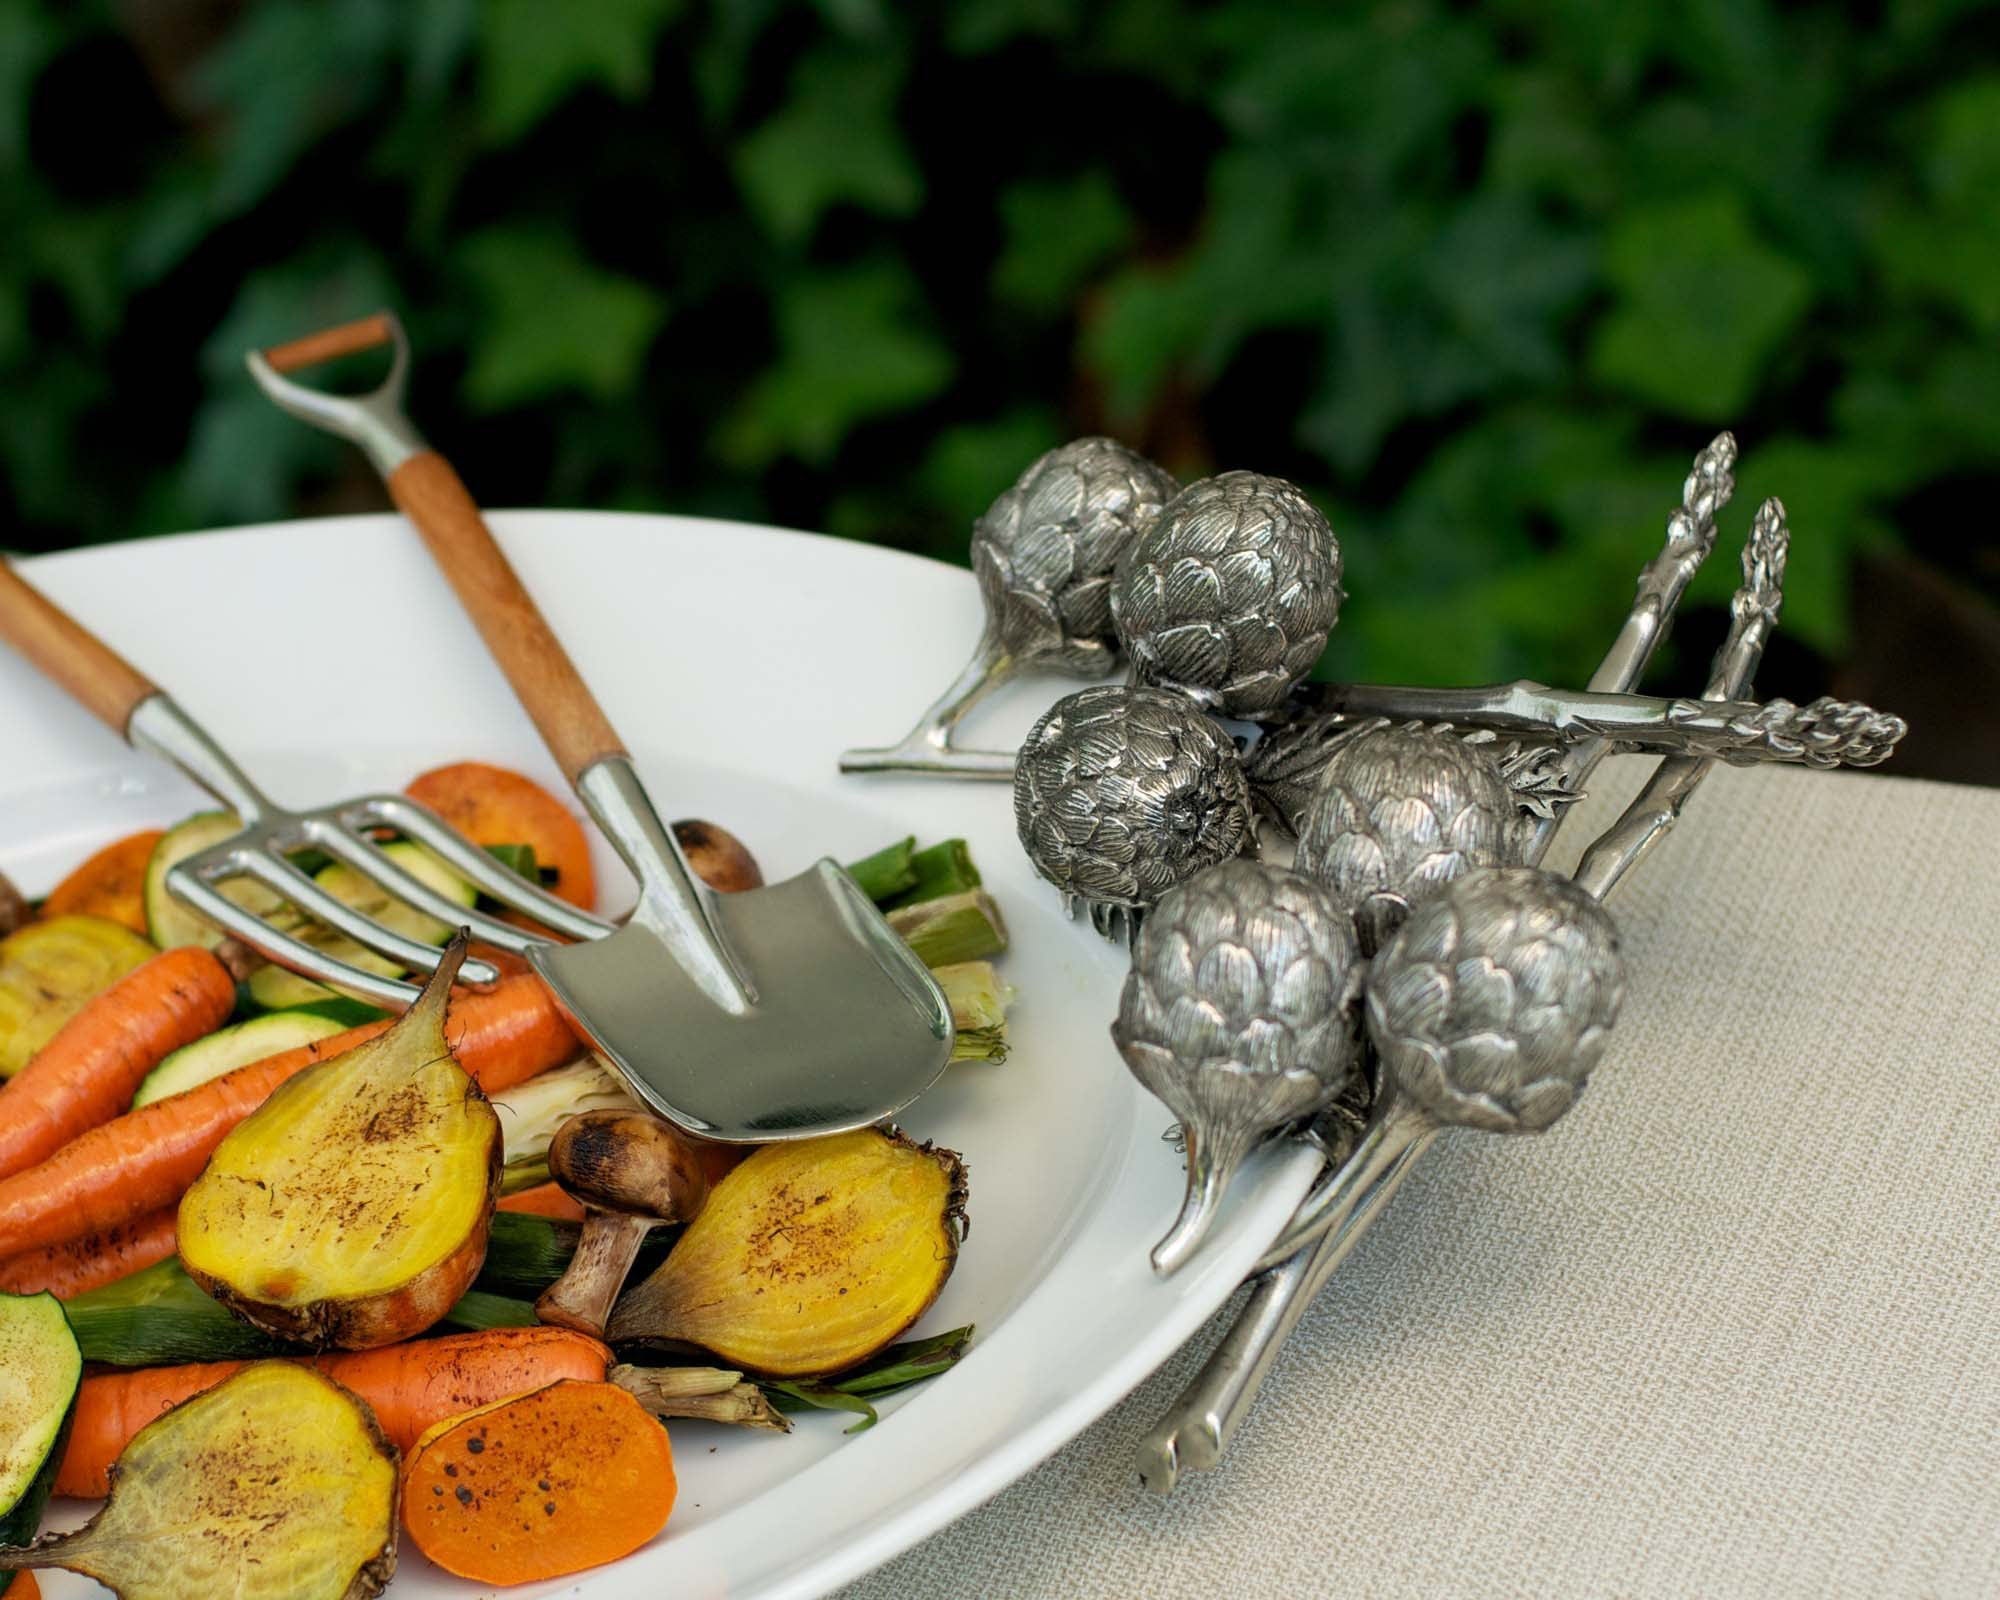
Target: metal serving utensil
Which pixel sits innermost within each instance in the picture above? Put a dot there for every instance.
(783, 1012)
(258, 853)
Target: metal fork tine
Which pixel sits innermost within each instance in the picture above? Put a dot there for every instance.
(276, 873)
(381, 869)
(472, 863)
(267, 941)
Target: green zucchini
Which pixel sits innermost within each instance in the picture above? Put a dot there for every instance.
(229, 1048)
(275, 989)
(168, 922)
(41, 1370)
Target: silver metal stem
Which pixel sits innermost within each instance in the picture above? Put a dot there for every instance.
(1396, 1135)
(1197, 1427)
(672, 901)
(927, 748)
(1824, 733)
(1690, 536)
(158, 725)
(1753, 615)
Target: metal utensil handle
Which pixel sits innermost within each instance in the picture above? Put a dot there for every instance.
(102, 680)
(544, 679)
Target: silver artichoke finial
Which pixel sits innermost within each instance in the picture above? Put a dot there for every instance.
(1493, 1003)
(1399, 813)
(1239, 1013)
(1122, 793)
(1044, 553)
(1489, 1008)
(1229, 597)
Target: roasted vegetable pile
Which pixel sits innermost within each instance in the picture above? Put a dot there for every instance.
(327, 1270)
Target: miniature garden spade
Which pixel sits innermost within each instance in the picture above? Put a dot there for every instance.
(777, 1013)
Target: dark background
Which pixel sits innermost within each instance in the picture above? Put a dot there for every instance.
(1481, 279)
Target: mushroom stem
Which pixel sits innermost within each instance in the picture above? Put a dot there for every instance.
(630, 1170)
(581, 1298)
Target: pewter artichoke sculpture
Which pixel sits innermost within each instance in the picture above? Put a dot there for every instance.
(1122, 793)
(1044, 553)
(1239, 1013)
(1493, 1003)
(1399, 813)
(1228, 598)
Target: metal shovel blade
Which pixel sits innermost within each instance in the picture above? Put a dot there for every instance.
(844, 1027)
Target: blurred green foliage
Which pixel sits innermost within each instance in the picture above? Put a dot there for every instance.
(1482, 279)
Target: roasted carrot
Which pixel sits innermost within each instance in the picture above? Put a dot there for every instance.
(146, 1159)
(111, 883)
(94, 1260)
(86, 1074)
(412, 1387)
(544, 1200)
(539, 1486)
(23, 1587)
(491, 805)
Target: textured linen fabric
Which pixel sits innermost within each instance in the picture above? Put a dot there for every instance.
(1731, 1328)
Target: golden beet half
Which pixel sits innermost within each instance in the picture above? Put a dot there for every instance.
(809, 1257)
(350, 1209)
(273, 1485)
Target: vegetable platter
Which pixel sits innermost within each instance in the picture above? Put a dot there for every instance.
(1053, 1152)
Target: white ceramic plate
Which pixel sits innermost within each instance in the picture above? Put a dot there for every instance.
(737, 661)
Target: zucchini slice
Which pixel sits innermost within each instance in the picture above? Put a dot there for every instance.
(168, 922)
(41, 1370)
(275, 989)
(229, 1048)
(49, 970)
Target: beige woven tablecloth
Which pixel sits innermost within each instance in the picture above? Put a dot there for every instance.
(1731, 1329)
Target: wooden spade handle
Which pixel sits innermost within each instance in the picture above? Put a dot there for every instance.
(329, 344)
(545, 680)
(62, 647)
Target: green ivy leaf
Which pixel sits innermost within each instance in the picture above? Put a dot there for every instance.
(835, 141)
(555, 320)
(28, 37)
(282, 77)
(534, 55)
(1058, 234)
(1828, 491)
(977, 27)
(1947, 249)
(246, 459)
(1702, 303)
(851, 349)
(972, 463)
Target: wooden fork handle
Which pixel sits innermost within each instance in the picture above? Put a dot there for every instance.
(104, 681)
(545, 680)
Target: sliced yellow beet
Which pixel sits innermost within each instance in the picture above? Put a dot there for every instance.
(50, 970)
(274, 1485)
(809, 1257)
(351, 1209)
